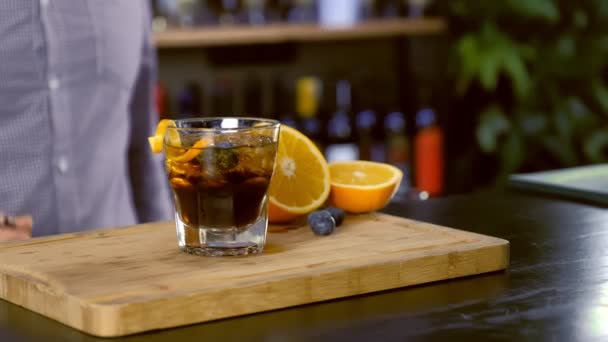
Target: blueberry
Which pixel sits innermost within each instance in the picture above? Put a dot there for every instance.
(321, 222)
(338, 215)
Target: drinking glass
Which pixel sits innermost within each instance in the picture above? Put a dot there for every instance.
(219, 170)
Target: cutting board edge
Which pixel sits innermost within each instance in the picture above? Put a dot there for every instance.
(116, 317)
(39, 293)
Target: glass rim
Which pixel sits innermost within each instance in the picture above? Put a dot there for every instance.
(272, 123)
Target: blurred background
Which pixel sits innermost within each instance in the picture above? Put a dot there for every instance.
(459, 94)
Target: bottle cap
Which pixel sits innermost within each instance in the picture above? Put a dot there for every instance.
(366, 119)
(395, 122)
(425, 118)
(339, 125)
(343, 94)
(311, 126)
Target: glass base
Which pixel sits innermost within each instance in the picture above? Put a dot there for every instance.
(237, 241)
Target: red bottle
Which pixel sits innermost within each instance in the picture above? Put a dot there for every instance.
(428, 153)
(161, 101)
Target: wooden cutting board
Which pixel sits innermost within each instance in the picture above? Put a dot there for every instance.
(122, 281)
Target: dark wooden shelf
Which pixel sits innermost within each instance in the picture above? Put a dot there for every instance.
(284, 33)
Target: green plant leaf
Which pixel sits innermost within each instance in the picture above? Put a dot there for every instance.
(580, 18)
(491, 45)
(489, 68)
(468, 55)
(527, 52)
(596, 146)
(517, 72)
(467, 47)
(554, 55)
(600, 8)
(601, 96)
(493, 123)
(566, 47)
(511, 155)
(542, 9)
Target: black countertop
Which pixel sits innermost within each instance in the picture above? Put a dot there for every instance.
(556, 288)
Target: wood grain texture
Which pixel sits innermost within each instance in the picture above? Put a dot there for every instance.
(284, 33)
(124, 281)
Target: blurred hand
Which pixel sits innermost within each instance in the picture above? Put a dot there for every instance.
(21, 231)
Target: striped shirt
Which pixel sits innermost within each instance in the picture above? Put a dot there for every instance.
(76, 81)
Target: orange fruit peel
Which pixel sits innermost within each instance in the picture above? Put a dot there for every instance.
(300, 183)
(156, 144)
(363, 186)
(161, 128)
(193, 151)
(156, 141)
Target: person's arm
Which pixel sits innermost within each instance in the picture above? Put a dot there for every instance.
(148, 179)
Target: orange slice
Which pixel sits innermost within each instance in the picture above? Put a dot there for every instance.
(362, 186)
(300, 183)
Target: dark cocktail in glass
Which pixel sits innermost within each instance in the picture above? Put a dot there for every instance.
(219, 170)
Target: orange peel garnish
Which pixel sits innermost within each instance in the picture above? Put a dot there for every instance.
(156, 141)
(193, 151)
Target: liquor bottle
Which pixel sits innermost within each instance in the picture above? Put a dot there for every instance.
(223, 96)
(283, 104)
(428, 149)
(302, 11)
(161, 101)
(158, 8)
(398, 147)
(389, 8)
(253, 97)
(254, 12)
(204, 14)
(190, 100)
(416, 8)
(273, 10)
(308, 96)
(340, 129)
(281, 9)
(187, 12)
(160, 21)
(367, 120)
(367, 10)
(227, 11)
(165, 14)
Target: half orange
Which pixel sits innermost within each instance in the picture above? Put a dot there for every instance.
(363, 186)
(300, 183)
